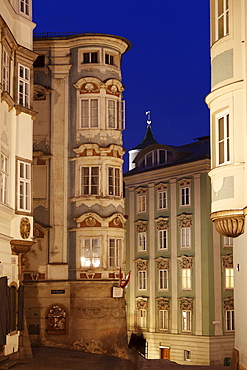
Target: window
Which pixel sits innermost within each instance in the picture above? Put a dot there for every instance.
(230, 320)
(91, 57)
(142, 280)
(114, 181)
(141, 203)
(222, 18)
(228, 242)
(142, 241)
(185, 196)
(163, 319)
(24, 86)
(186, 279)
(109, 59)
(24, 186)
(186, 320)
(115, 252)
(25, 7)
(163, 279)
(89, 180)
(142, 318)
(185, 237)
(155, 158)
(5, 70)
(112, 118)
(90, 252)
(4, 179)
(89, 113)
(162, 199)
(229, 278)
(187, 355)
(223, 139)
(163, 241)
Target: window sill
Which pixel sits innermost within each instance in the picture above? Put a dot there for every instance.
(20, 109)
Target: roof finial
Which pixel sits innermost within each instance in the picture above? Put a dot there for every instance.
(149, 119)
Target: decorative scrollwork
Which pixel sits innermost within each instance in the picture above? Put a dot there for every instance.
(141, 264)
(186, 303)
(141, 226)
(141, 303)
(163, 263)
(184, 220)
(162, 223)
(228, 303)
(227, 261)
(163, 303)
(185, 262)
(25, 227)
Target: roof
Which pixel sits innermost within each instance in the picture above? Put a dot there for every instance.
(148, 139)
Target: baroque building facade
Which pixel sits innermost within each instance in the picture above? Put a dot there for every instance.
(79, 218)
(227, 103)
(180, 296)
(16, 128)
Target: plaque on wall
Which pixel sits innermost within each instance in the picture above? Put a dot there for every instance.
(117, 292)
(58, 291)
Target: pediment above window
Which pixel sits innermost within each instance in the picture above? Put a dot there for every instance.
(162, 223)
(163, 263)
(141, 303)
(186, 303)
(141, 264)
(163, 303)
(184, 220)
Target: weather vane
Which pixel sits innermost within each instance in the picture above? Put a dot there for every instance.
(149, 118)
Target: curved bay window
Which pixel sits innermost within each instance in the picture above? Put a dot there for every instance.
(56, 320)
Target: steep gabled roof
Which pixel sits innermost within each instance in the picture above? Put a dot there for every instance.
(148, 139)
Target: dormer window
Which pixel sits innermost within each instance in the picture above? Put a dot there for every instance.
(91, 57)
(154, 158)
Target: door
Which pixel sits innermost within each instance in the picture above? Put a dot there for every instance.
(165, 353)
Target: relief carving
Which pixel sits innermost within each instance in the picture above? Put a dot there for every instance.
(184, 220)
(141, 303)
(141, 264)
(25, 228)
(163, 303)
(185, 262)
(227, 261)
(141, 226)
(186, 303)
(163, 263)
(162, 223)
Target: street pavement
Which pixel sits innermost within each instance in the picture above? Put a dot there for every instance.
(49, 358)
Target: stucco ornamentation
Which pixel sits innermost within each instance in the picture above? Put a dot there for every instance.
(227, 261)
(163, 263)
(141, 226)
(228, 303)
(186, 303)
(185, 262)
(162, 223)
(90, 221)
(25, 228)
(163, 303)
(184, 220)
(141, 264)
(141, 303)
(229, 222)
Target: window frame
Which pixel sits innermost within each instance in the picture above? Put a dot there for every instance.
(227, 242)
(186, 279)
(163, 320)
(185, 237)
(117, 249)
(5, 70)
(116, 181)
(185, 198)
(90, 52)
(26, 5)
(116, 123)
(162, 200)
(163, 241)
(142, 318)
(24, 83)
(223, 17)
(90, 178)
(229, 278)
(90, 117)
(142, 241)
(25, 184)
(163, 280)
(225, 141)
(91, 256)
(230, 320)
(142, 280)
(141, 203)
(4, 172)
(186, 325)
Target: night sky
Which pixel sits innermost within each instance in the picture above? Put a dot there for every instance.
(167, 71)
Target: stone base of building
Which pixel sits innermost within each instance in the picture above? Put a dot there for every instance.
(79, 315)
(190, 349)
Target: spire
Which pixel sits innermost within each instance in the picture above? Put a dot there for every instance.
(149, 137)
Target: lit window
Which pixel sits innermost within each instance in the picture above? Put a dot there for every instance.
(223, 139)
(222, 18)
(114, 181)
(112, 118)
(142, 318)
(25, 7)
(109, 59)
(89, 113)
(90, 57)
(142, 280)
(163, 319)
(228, 242)
(163, 279)
(142, 241)
(185, 196)
(186, 279)
(230, 320)
(229, 278)
(89, 180)
(4, 179)
(187, 355)
(90, 252)
(141, 203)
(162, 199)
(186, 320)
(163, 241)
(24, 86)
(185, 237)
(24, 186)
(5, 70)
(115, 252)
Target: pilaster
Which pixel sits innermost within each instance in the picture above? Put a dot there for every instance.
(174, 272)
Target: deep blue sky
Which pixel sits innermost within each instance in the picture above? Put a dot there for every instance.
(167, 70)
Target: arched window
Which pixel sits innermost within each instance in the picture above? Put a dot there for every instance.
(56, 320)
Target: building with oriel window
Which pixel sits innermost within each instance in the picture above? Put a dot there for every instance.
(180, 296)
(73, 271)
(227, 103)
(16, 128)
